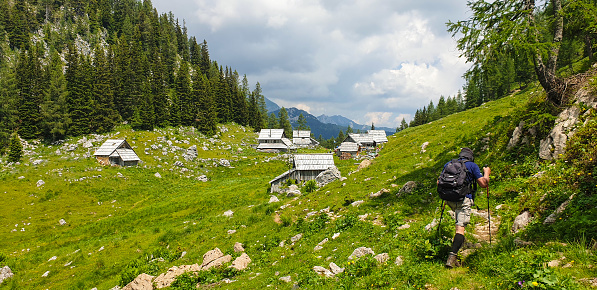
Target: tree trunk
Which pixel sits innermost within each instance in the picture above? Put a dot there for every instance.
(553, 85)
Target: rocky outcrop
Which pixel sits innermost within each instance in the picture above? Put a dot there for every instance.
(554, 216)
(521, 221)
(359, 252)
(364, 164)
(329, 175)
(407, 188)
(165, 279)
(241, 262)
(554, 145)
(214, 258)
(142, 282)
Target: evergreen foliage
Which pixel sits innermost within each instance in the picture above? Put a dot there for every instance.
(92, 65)
(16, 149)
(284, 122)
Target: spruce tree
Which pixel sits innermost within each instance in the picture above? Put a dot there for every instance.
(206, 115)
(16, 149)
(302, 123)
(54, 109)
(285, 122)
(273, 121)
(104, 116)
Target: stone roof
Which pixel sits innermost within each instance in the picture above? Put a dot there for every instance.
(109, 146)
(271, 134)
(126, 154)
(378, 136)
(348, 147)
(321, 161)
(301, 134)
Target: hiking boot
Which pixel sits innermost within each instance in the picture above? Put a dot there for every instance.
(453, 261)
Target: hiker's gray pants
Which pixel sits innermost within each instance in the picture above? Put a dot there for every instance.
(462, 211)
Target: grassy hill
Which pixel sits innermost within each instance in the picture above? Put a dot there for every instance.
(121, 222)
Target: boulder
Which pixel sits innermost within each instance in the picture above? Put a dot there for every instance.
(382, 258)
(5, 273)
(62, 222)
(286, 279)
(554, 216)
(238, 247)
(202, 178)
(407, 188)
(323, 271)
(214, 258)
(191, 153)
(399, 261)
(178, 164)
(364, 164)
(424, 146)
(228, 213)
(273, 199)
(293, 191)
(142, 282)
(158, 175)
(224, 162)
(359, 252)
(516, 136)
(521, 221)
(379, 193)
(431, 225)
(241, 262)
(357, 203)
(296, 238)
(335, 269)
(40, 183)
(165, 279)
(327, 176)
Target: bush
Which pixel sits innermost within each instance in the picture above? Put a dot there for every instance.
(310, 186)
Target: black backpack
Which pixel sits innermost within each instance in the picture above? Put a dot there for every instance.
(453, 184)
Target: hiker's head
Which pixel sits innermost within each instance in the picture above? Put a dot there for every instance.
(467, 153)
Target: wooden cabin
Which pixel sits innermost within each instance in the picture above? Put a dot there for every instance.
(304, 167)
(302, 138)
(116, 152)
(347, 150)
(274, 140)
(379, 136)
(365, 141)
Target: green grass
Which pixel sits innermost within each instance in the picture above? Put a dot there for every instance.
(118, 226)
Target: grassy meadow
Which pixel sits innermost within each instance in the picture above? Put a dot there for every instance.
(121, 222)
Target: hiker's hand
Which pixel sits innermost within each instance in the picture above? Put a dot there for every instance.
(486, 171)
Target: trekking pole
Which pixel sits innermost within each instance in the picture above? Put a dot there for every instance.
(488, 215)
(440, 219)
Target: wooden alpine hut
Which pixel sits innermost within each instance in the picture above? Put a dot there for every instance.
(116, 152)
(302, 138)
(304, 167)
(274, 140)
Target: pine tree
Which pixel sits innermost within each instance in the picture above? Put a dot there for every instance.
(285, 122)
(54, 109)
(79, 83)
(16, 149)
(9, 105)
(302, 123)
(183, 94)
(206, 115)
(273, 121)
(27, 76)
(372, 126)
(104, 116)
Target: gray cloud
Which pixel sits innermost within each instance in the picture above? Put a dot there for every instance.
(369, 60)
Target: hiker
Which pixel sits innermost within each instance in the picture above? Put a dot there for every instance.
(461, 205)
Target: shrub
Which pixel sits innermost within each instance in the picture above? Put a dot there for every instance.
(310, 186)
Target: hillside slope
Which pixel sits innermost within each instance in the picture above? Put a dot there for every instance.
(121, 222)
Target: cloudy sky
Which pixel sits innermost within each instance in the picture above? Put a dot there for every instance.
(373, 61)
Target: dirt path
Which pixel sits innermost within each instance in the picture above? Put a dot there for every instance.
(481, 231)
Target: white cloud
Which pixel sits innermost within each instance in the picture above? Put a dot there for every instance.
(346, 57)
